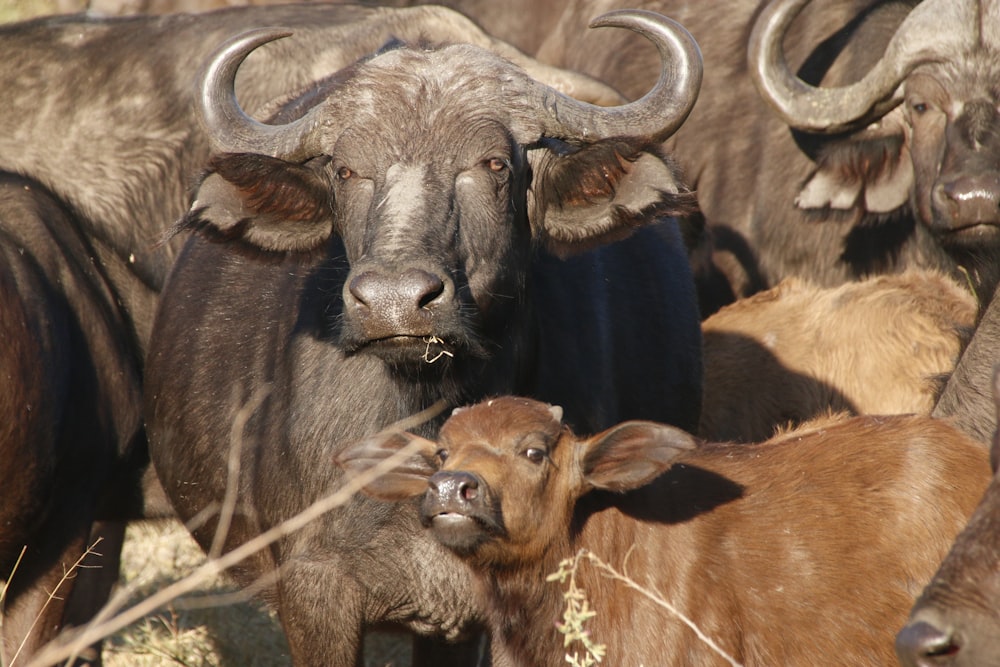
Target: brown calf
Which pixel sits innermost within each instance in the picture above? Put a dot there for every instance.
(885, 345)
(807, 549)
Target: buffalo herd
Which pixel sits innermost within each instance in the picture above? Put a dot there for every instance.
(668, 281)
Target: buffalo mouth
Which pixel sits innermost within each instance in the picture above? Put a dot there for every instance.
(978, 229)
(461, 530)
(409, 349)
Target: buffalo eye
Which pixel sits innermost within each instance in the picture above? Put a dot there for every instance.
(344, 173)
(535, 455)
(496, 164)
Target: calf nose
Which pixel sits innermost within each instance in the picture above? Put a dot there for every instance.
(921, 644)
(969, 200)
(458, 487)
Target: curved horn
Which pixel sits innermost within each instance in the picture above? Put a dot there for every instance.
(230, 128)
(658, 113)
(831, 110)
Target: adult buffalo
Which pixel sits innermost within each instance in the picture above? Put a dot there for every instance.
(897, 165)
(99, 140)
(386, 242)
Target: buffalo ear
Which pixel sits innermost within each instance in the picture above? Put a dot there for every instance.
(632, 454)
(873, 171)
(405, 480)
(269, 203)
(582, 197)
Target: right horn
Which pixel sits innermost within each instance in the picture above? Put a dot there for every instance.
(832, 110)
(658, 113)
(230, 128)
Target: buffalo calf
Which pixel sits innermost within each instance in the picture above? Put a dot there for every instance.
(802, 550)
(885, 345)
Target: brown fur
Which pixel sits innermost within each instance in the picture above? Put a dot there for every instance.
(955, 620)
(803, 550)
(885, 345)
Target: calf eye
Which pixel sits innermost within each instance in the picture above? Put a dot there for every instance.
(919, 107)
(535, 455)
(442, 455)
(344, 173)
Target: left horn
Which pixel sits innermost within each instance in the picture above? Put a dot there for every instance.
(658, 113)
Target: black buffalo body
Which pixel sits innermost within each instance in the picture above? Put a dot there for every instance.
(390, 240)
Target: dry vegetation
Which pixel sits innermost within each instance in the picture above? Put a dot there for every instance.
(195, 629)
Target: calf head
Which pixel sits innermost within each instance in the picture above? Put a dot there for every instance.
(920, 130)
(431, 176)
(956, 620)
(500, 484)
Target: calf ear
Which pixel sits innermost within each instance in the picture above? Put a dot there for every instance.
(584, 197)
(632, 454)
(399, 482)
(269, 203)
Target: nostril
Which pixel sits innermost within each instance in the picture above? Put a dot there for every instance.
(469, 490)
(455, 486)
(425, 287)
(924, 640)
(362, 287)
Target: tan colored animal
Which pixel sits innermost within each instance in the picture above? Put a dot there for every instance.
(807, 549)
(885, 345)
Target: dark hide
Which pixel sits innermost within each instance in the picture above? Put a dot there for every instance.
(69, 405)
(426, 276)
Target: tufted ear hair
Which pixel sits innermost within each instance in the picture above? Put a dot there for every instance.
(872, 171)
(266, 202)
(582, 197)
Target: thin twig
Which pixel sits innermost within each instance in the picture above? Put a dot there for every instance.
(13, 570)
(657, 599)
(228, 508)
(68, 574)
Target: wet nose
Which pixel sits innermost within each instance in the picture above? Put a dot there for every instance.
(921, 644)
(410, 290)
(969, 200)
(459, 487)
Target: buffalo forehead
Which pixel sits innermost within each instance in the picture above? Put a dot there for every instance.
(415, 102)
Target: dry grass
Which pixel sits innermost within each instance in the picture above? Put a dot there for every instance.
(196, 630)
(188, 632)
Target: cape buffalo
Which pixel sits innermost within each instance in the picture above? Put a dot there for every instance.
(99, 142)
(389, 240)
